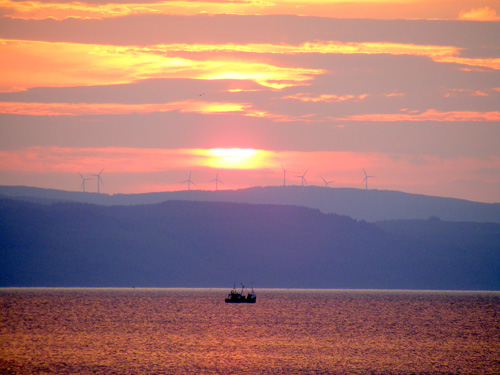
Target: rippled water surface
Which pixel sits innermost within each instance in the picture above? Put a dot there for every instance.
(192, 331)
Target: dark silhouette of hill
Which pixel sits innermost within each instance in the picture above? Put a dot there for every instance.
(212, 244)
(370, 205)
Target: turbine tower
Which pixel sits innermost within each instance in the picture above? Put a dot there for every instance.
(83, 181)
(99, 179)
(189, 181)
(284, 174)
(303, 178)
(216, 179)
(326, 182)
(365, 180)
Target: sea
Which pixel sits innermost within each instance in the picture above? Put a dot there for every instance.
(193, 331)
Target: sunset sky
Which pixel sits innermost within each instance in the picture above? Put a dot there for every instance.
(152, 91)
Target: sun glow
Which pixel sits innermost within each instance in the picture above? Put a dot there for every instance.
(236, 158)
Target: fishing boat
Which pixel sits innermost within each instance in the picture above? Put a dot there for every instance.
(239, 297)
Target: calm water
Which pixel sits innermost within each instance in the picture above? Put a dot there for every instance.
(192, 331)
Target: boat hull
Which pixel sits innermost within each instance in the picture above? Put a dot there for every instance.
(238, 297)
(243, 300)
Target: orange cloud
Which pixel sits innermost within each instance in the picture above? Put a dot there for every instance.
(326, 98)
(59, 11)
(375, 9)
(192, 106)
(72, 64)
(479, 14)
(79, 109)
(326, 47)
(441, 54)
(456, 92)
(93, 109)
(429, 115)
(393, 94)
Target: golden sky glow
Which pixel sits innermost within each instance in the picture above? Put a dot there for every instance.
(129, 160)
(68, 64)
(407, 89)
(139, 160)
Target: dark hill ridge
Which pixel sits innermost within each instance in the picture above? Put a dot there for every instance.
(211, 244)
(370, 205)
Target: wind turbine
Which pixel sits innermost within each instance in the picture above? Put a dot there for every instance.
(216, 179)
(326, 182)
(365, 180)
(284, 174)
(189, 181)
(99, 179)
(303, 178)
(83, 181)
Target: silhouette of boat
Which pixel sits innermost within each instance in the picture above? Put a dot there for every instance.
(239, 297)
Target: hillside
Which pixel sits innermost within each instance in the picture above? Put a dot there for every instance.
(370, 205)
(212, 244)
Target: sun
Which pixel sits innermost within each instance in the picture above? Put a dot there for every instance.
(235, 158)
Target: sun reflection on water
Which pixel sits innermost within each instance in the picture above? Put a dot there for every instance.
(192, 331)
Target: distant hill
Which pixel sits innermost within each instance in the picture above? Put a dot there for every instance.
(370, 205)
(212, 244)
